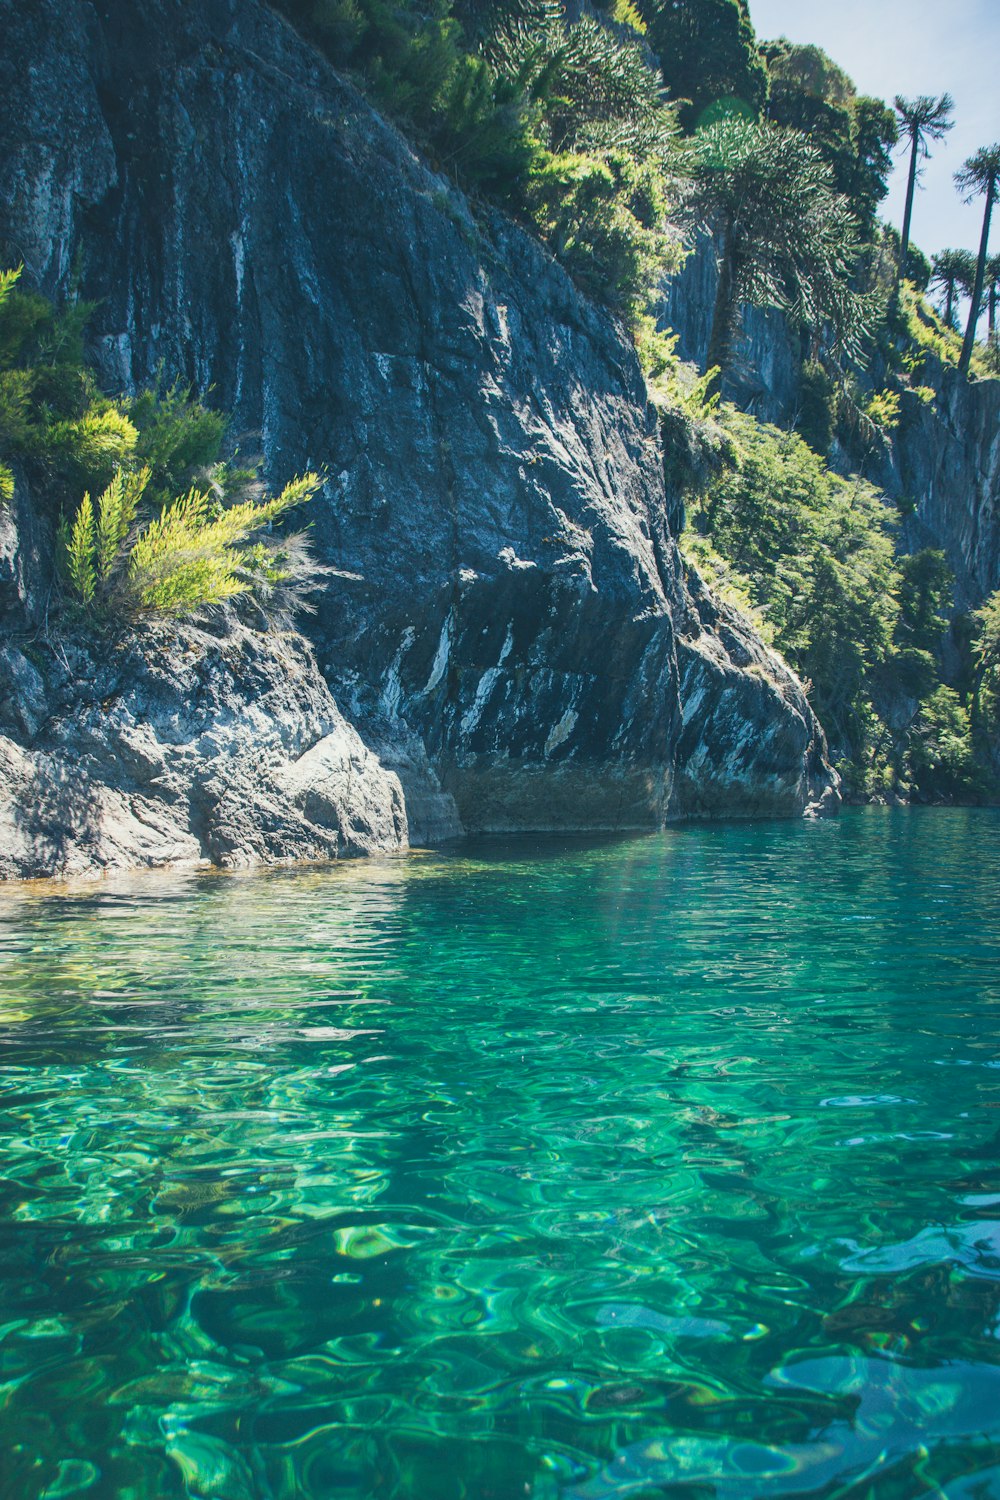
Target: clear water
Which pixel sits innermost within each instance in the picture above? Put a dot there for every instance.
(662, 1168)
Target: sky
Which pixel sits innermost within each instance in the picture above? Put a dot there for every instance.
(914, 47)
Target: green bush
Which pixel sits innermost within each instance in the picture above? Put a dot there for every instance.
(986, 657)
(161, 538)
(194, 554)
(940, 752)
(816, 403)
(54, 422)
(176, 437)
(882, 410)
(926, 588)
(603, 217)
(67, 436)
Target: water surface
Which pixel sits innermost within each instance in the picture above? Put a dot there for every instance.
(663, 1168)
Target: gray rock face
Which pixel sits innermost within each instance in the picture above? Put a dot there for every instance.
(180, 749)
(764, 376)
(946, 461)
(519, 644)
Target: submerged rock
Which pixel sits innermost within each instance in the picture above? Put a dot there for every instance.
(512, 631)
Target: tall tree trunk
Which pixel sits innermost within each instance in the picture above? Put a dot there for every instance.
(911, 183)
(720, 340)
(991, 308)
(949, 305)
(977, 290)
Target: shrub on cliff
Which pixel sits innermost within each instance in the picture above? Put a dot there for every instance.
(940, 753)
(66, 435)
(172, 530)
(55, 424)
(986, 658)
(811, 554)
(193, 554)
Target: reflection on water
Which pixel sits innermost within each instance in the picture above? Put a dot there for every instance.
(659, 1168)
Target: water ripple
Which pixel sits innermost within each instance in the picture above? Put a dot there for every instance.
(659, 1167)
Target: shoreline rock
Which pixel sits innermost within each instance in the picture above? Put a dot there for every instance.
(181, 748)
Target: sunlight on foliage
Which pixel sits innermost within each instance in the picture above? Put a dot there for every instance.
(986, 653)
(626, 14)
(192, 555)
(883, 409)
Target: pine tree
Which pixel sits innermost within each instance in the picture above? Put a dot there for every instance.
(954, 273)
(787, 238)
(921, 120)
(978, 177)
(709, 56)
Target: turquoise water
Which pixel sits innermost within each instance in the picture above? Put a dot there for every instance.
(660, 1168)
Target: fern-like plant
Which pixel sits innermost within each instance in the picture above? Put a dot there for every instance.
(115, 515)
(80, 544)
(192, 555)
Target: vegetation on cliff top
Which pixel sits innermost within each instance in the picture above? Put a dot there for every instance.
(601, 131)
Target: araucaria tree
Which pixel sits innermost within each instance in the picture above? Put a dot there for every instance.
(786, 238)
(921, 120)
(992, 289)
(954, 274)
(979, 177)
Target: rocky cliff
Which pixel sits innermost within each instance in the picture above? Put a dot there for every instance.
(512, 634)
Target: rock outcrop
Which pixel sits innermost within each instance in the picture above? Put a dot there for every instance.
(512, 631)
(182, 748)
(946, 465)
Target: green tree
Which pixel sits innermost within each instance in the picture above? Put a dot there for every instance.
(940, 753)
(926, 588)
(874, 134)
(920, 120)
(978, 177)
(787, 239)
(992, 289)
(986, 657)
(709, 56)
(593, 90)
(918, 268)
(954, 272)
(809, 92)
(597, 189)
